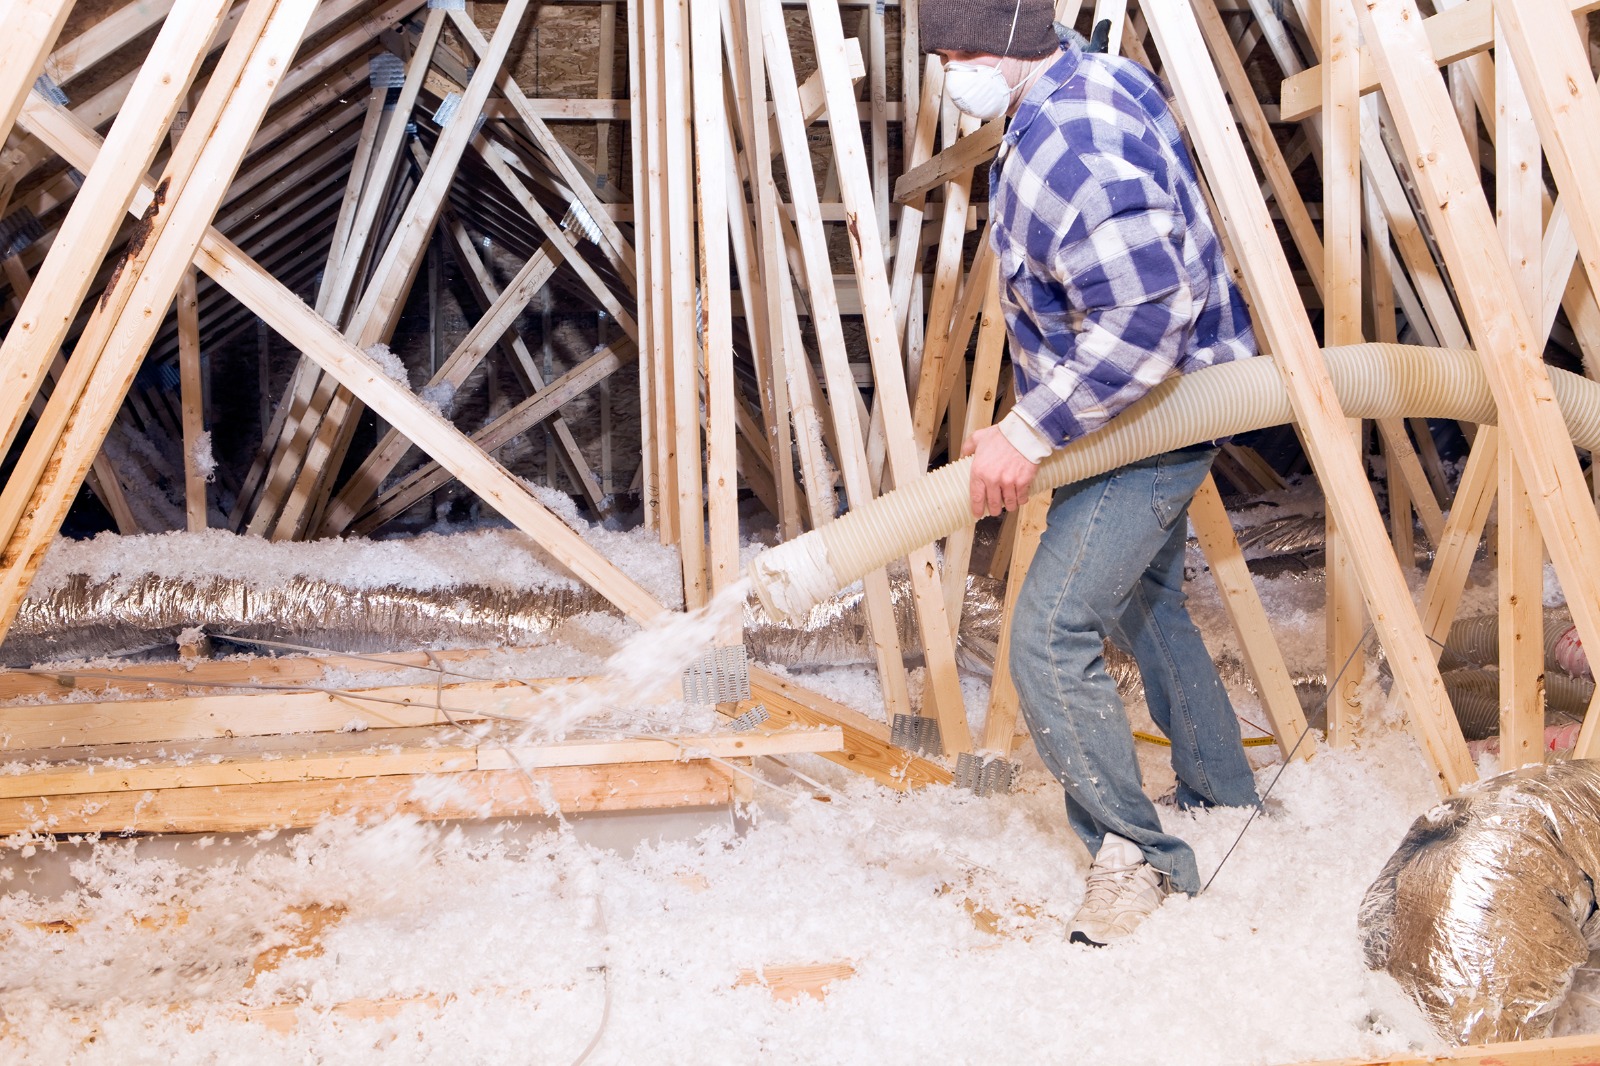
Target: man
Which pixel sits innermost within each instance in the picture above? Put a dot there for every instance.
(1112, 279)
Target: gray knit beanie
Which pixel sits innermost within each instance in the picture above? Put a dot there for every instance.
(986, 26)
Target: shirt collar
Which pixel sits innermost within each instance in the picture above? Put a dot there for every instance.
(1055, 75)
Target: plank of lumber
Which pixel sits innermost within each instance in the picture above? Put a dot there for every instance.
(91, 224)
(1452, 35)
(157, 680)
(944, 343)
(1262, 139)
(981, 403)
(1565, 102)
(102, 476)
(386, 155)
(1000, 722)
(1529, 422)
(618, 249)
(842, 395)
(866, 742)
(1341, 298)
(962, 157)
(1281, 316)
(822, 739)
(757, 258)
(191, 388)
(683, 354)
(1582, 1050)
(292, 319)
(72, 59)
(249, 708)
(1519, 195)
(291, 804)
(107, 356)
(1262, 656)
(905, 464)
(710, 123)
(374, 753)
(29, 28)
(542, 405)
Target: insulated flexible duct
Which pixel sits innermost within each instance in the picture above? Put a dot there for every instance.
(1371, 381)
(1476, 641)
(1475, 695)
(1487, 910)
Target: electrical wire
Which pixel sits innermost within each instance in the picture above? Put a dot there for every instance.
(1333, 685)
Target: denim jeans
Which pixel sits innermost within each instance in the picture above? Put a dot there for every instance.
(1110, 564)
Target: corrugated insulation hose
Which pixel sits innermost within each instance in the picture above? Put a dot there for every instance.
(1371, 381)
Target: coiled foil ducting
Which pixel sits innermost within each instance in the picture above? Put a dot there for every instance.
(1487, 909)
(83, 619)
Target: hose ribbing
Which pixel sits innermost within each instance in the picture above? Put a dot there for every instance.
(1370, 380)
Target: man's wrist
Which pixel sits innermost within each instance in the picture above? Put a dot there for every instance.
(1022, 436)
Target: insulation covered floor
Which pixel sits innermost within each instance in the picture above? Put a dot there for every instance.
(928, 927)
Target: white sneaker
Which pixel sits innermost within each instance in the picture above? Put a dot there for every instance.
(1122, 890)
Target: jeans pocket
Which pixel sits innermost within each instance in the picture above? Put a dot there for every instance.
(1177, 476)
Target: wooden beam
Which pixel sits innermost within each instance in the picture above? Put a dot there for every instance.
(1519, 195)
(29, 28)
(1263, 142)
(842, 395)
(960, 158)
(91, 225)
(228, 761)
(710, 121)
(618, 249)
(1341, 324)
(1000, 722)
(81, 410)
(299, 325)
(1529, 422)
(1583, 1050)
(191, 388)
(1564, 99)
(883, 339)
(866, 741)
(1281, 316)
(1263, 659)
(130, 20)
(290, 804)
(1451, 35)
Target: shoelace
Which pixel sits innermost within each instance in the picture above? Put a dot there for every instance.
(1105, 885)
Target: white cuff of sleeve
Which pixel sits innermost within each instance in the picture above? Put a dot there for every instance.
(1033, 445)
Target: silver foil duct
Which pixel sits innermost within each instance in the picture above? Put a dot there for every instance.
(1290, 535)
(83, 620)
(835, 632)
(1487, 909)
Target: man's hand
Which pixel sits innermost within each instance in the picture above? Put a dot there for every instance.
(1001, 475)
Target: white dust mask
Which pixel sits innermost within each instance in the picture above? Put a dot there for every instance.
(978, 89)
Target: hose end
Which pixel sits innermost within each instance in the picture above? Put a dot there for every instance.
(792, 578)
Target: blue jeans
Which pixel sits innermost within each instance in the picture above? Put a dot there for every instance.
(1110, 564)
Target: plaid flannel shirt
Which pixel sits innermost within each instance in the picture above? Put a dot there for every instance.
(1111, 274)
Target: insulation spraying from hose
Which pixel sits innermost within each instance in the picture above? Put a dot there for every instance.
(1371, 381)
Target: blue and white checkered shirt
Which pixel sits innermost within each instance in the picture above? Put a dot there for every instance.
(1111, 274)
